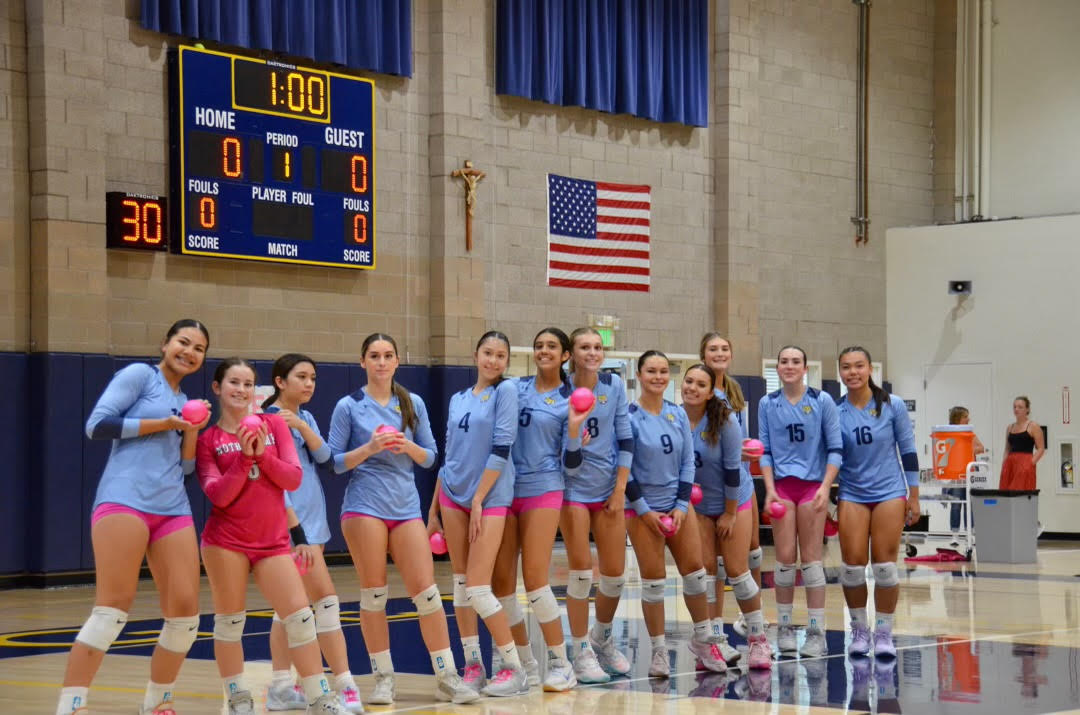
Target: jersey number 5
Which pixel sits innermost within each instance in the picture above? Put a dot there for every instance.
(525, 418)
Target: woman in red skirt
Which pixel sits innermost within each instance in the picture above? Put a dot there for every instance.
(1023, 449)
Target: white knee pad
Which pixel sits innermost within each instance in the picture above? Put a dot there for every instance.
(373, 599)
(102, 627)
(612, 586)
(229, 627)
(460, 599)
(852, 576)
(710, 589)
(754, 559)
(483, 601)
(784, 575)
(813, 575)
(886, 575)
(652, 590)
(744, 586)
(544, 604)
(327, 614)
(300, 627)
(512, 606)
(721, 572)
(428, 601)
(694, 583)
(579, 584)
(178, 634)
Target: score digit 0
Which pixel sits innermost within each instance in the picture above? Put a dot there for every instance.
(359, 229)
(208, 212)
(358, 173)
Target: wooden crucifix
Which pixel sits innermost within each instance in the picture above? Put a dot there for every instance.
(471, 177)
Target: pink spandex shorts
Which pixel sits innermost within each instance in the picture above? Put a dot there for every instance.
(254, 556)
(391, 524)
(159, 526)
(795, 490)
(591, 506)
(742, 507)
(448, 503)
(547, 500)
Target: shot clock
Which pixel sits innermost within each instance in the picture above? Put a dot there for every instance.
(136, 221)
(271, 161)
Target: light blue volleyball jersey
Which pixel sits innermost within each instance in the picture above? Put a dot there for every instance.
(744, 428)
(383, 485)
(538, 451)
(879, 452)
(144, 473)
(799, 439)
(662, 473)
(718, 467)
(611, 443)
(480, 430)
(309, 501)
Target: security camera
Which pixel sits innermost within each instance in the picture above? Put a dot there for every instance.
(959, 287)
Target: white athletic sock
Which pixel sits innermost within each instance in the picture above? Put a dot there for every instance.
(817, 618)
(315, 686)
(783, 612)
(525, 654)
(234, 684)
(156, 694)
(755, 623)
(382, 663)
(442, 662)
(601, 631)
(557, 651)
(509, 655)
(883, 622)
(718, 627)
(280, 678)
(471, 646)
(580, 645)
(858, 616)
(658, 641)
(70, 699)
(702, 630)
(344, 680)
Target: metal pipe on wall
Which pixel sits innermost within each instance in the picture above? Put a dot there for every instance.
(986, 28)
(861, 219)
(961, 118)
(974, 98)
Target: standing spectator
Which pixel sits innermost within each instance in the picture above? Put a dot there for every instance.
(1023, 449)
(959, 416)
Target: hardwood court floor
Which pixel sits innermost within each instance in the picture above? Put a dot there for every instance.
(994, 638)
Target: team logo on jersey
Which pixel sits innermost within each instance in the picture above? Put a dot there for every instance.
(253, 473)
(670, 417)
(549, 400)
(873, 412)
(807, 409)
(603, 399)
(485, 397)
(397, 408)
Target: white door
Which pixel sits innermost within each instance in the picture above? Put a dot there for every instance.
(952, 384)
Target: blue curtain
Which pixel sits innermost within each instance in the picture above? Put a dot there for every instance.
(373, 34)
(649, 58)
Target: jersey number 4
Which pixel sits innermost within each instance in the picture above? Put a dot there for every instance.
(464, 423)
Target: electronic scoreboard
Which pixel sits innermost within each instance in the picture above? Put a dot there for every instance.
(270, 161)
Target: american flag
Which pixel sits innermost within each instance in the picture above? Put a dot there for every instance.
(598, 234)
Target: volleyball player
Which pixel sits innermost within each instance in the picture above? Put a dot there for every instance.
(716, 352)
(799, 428)
(474, 492)
(381, 513)
(661, 479)
(724, 516)
(141, 508)
(293, 377)
(879, 494)
(245, 473)
(548, 440)
(594, 502)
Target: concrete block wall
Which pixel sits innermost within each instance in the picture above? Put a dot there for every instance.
(14, 180)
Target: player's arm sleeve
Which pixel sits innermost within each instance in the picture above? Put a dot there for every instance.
(106, 420)
(686, 465)
(624, 433)
(422, 435)
(572, 456)
(281, 465)
(321, 454)
(505, 429)
(830, 425)
(635, 498)
(905, 441)
(221, 488)
(731, 445)
(763, 432)
(340, 432)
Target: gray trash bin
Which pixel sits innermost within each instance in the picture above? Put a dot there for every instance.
(1005, 524)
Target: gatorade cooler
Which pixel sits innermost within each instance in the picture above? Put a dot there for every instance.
(953, 450)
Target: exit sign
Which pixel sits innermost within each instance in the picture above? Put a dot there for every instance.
(607, 337)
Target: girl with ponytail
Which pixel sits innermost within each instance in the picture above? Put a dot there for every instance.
(381, 513)
(293, 377)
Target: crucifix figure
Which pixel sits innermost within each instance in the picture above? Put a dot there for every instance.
(471, 177)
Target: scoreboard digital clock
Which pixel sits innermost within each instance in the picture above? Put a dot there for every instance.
(271, 161)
